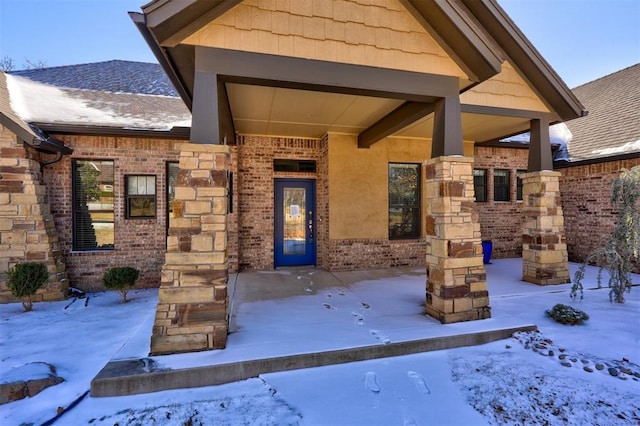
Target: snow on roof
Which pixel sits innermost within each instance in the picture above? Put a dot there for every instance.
(37, 102)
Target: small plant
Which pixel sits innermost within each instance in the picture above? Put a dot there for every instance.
(120, 279)
(565, 314)
(24, 280)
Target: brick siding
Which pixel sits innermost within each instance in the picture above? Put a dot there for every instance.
(589, 215)
(501, 221)
(139, 243)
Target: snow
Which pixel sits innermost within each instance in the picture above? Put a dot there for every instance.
(622, 149)
(33, 101)
(512, 381)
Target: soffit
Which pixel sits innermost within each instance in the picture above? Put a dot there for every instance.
(299, 113)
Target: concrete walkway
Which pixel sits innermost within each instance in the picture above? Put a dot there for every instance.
(305, 317)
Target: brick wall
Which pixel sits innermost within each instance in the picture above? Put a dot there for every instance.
(255, 192)
(589, 216)
(139, 243)
(501, 221)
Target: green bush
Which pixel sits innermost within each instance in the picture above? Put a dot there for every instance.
(24, 280)
(567, 315)
(120, 279)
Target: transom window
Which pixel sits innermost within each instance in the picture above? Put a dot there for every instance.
(404, 201)
(92, 199)
(141, 196)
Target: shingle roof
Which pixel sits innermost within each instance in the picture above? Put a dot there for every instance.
(114, 94)
(613, 124)
(109, 76)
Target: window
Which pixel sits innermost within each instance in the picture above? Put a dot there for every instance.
(92, 199)
(501, 185)
(404, 201)
(140, 196)
(519, 174)
(172, 177)
(480, 184)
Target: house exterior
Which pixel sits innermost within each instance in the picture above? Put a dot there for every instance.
(341, 134)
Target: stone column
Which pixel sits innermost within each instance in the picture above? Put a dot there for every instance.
(544, 248)
(456, 277)
(27, 229)
(193, 305)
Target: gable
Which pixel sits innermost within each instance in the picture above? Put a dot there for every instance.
(508, 89)
(381, 34)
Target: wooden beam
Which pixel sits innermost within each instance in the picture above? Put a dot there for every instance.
(540, 157)
(397, 119)
(322, 76)
(447, 128)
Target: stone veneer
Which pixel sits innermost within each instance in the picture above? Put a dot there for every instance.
(27, 229)
(193, 305)
(544, 249)
(456, 277)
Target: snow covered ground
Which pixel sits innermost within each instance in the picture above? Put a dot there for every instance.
(561, 375)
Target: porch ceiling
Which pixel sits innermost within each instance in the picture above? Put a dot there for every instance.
(274, 111)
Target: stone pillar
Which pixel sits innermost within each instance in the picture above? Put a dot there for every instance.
(27, 230)
(193, 305)
(456, 277)
(544, 248)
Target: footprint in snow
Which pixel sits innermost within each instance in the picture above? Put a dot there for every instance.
(380, 336)
(410, 421)
(371, 382)
(359, 319)
(328, 306)
(419, 382)
(365, 305)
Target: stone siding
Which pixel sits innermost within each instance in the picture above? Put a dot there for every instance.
(27, 230)
(139, 243)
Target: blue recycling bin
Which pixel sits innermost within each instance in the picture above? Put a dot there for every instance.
(487, 246)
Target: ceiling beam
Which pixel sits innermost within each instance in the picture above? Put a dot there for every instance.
(322, 76)
(396, 120)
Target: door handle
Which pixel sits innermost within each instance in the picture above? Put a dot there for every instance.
(310, 225)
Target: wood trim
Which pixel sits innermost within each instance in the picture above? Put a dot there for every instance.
(460, 35)
(527, 59)
(396, 120)
(322, 76)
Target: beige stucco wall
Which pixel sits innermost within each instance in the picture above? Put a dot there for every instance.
(358, 182)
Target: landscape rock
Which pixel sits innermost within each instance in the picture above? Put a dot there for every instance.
(26, 381)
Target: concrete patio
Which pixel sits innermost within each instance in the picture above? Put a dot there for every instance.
(305, 317)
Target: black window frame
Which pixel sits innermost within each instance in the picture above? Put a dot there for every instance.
(129, 198)
(84, 237)
(501, 187)
(519, 184)
(480, 185)
(410, 229)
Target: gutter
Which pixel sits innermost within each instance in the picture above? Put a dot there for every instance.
(35, 137)
(76, 129)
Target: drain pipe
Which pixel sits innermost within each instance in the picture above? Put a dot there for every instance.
(43, 164)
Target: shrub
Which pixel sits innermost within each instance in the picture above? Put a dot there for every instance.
(120, 279)
(24, 280)
(567, 315)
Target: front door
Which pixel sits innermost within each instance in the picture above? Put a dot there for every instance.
(295, 222)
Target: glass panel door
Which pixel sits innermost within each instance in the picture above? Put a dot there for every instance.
(295, 222)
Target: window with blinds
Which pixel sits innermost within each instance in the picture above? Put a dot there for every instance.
(92, 199)
(404, 201)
